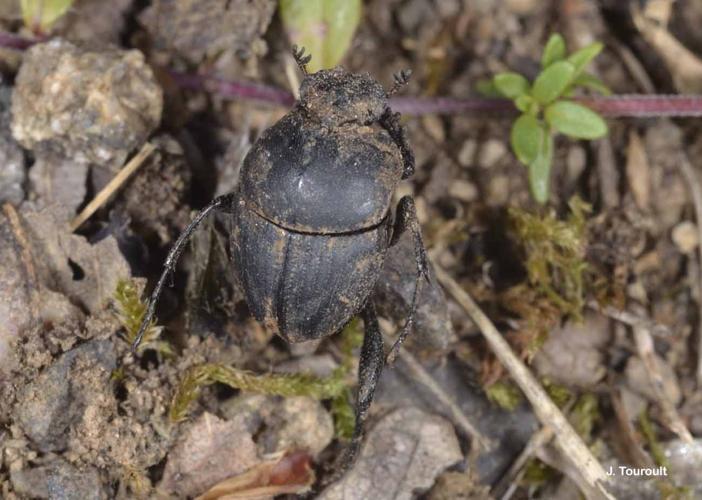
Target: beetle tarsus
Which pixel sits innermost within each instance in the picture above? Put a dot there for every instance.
(171, 261)
(406, 219)
(401, 78)
(300, 58)
(391, 123)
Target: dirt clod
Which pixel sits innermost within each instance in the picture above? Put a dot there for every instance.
(88, 104)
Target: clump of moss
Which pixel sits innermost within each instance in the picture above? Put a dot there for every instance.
(504, 394)
(336, 387)
(555, 254)
(130, 312)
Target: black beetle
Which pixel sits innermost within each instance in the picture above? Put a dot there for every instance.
(312, 219)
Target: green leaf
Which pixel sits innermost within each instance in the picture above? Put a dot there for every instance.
(540, 170)
(526, 104)
(552, 82)
(526, 138)
(593, 83)
(575, 120)
(581, 58)
(487, 88)
(40, 15)
(324, 28)
(554, 50)
(511, 85)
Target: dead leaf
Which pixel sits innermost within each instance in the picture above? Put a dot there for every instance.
(401, 456)
(289, 473)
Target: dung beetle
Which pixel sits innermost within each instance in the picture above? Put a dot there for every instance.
(312, 219)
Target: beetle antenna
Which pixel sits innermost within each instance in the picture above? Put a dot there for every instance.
(172, 259)
(401, 78)
(301, 58)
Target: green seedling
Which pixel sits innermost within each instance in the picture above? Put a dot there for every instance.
(546, 108)
(324, 28)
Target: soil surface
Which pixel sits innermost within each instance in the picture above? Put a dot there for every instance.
(599, 291)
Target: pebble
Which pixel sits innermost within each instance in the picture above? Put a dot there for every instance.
(463, 190)
(466, 155)
(685, 237)
(491, 152)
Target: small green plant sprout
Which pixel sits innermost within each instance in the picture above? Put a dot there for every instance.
(546, 108)
(324, 28)
(40, 15)
(130, 311)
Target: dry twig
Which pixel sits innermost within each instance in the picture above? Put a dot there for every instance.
(569, 444)
(112, 186)
(418, 372)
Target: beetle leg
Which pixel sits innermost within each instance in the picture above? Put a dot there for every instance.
(172, 259)
(301, 58)
(391, 123)
(406, 219)
(370, 366)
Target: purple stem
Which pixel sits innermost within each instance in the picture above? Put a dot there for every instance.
(634, 105)
(12, 41)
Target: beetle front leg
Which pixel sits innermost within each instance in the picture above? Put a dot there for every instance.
(391, 123)
(370, 366)
(172, 259)
(406, 219)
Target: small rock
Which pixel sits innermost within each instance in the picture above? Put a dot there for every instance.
(638, 171)
(522, 7)
(466, 155)
(573, 355)
(463, 190)
(685, 462)
(90, 105)
(637, 378)
(200, 29)
(576, 161)
(491, 152)
(86, 273)
(434, 127)
(281, 424)
(57, 180)
(59, 480)
(208, 451)
(18, 293)
(401, 456)
(685, 236)
(93, 21)
(395, 289)
(498, 191)
(458, 486)
(57, 399)
(12, 170)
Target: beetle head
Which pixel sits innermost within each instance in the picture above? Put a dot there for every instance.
(336, 96)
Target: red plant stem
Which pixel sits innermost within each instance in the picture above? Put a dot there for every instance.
(12, 41)
(632, 105)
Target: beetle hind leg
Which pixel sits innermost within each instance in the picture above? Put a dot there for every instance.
(370, 366)
(406, 219)
(218, 203)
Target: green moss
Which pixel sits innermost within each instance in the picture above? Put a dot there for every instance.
(336, 387)
(559, 394)
(555, 254)
(585, 415)
(504, 394)
(130, 311)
